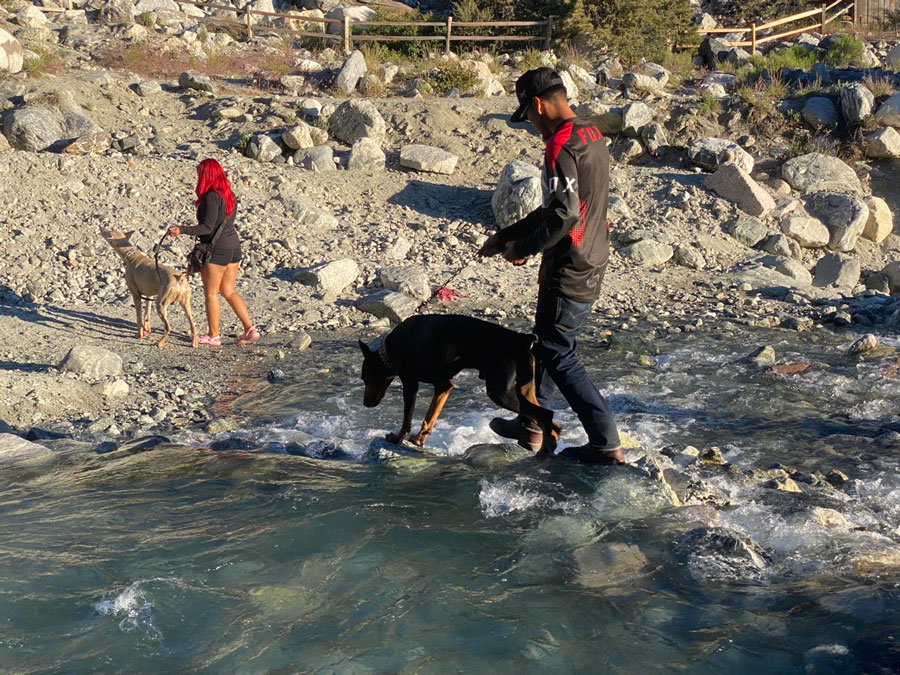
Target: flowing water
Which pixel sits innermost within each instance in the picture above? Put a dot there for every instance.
(287, 548)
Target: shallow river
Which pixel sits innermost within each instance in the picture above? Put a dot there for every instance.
(254, 558)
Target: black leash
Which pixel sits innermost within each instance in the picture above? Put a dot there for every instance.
(156, 255)
(444, 285)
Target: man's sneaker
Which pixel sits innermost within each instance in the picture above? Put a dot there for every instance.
(589, 454)
(527, 436)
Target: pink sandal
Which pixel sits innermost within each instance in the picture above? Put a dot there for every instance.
(207, 340)
(250, 335)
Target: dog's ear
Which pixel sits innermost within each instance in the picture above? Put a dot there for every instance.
(129, 235)
(365, 348)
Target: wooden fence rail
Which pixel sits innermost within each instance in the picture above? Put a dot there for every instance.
(754, 30)
(347, 24)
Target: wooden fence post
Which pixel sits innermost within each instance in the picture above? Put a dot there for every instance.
(854, 12)
(449, 28)
(347, 42)
(822, 19)
(753, 39)
(549, 40)
(249, 24)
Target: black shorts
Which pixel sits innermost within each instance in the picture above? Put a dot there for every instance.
(225, 256)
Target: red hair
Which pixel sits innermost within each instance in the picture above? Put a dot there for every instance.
(211, 176)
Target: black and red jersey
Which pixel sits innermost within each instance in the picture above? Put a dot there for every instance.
(570, 228)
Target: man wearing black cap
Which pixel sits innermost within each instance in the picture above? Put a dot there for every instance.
(571, 233)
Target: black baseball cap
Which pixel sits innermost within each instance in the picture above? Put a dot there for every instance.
(533, 83)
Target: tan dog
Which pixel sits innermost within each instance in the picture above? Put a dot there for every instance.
(145, 281)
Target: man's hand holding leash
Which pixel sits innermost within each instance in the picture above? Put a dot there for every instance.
(494, 246)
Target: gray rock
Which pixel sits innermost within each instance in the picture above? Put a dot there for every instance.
(888, 113)
(33, 128)
(92, 362)
(735, 185)
(654, 137)
(115, 12)
(837, 269)
(881, 220)
(148, 88)
(155, 6)
(808, 232)
(816, 172)
(11, 55)
(427, 158)
(787, 267)
(857, 102)
(820, 111)
(318, 158)
(14, 449)
(710, 153)
(713, 50)
(388, 305)
(721, 555)
(640, 82)
(635, 116)
(617, 211)
(820, 72)
(690, 257)
(763, 356)
(351, 72)
(412, 281)
(648, 253)
(883, 143)
(632, 236)
(845, 216)
(309, 216)
(330, 277)
(356, 119)
(747, 230)
(892, 272)
(779, 244)
(518, 193)
(267, 149)
(189, 80)
(366, 155)
(608, 564)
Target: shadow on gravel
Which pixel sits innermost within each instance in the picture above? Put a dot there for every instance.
(446, 201)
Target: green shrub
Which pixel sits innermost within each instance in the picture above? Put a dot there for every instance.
(708, 106)
(46, 60)
(413, 49)
(634, 29)
(447, 76)
(472, 10)
(147, 19)
(794, 57)
(846, 51)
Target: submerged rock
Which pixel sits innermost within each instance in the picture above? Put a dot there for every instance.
(721, 555)
(609, 564)
(493, 456)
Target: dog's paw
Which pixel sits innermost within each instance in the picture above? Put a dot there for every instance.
(394, 438)
(419, 440)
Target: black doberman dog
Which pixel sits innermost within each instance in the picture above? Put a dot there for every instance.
(432, 349)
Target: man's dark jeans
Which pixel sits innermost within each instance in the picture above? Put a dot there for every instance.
(558, 320)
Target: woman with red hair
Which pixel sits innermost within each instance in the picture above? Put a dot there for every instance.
(216, 209)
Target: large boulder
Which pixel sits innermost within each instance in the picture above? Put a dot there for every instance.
(11, 56)
(388, 305)
(31, 17)
(34, 128)
(808, 232)
(883, 143)
(710, 153)
(116, 12)
(721, 555)
(427, 158)
(92, 362)
(189, 80)
(329, 277)
(412, 281)
(366, 155)
(881, 221)
(518, 193)
(892, 58)
(14, 449)
(318, 158)
(351, 13)
(648, 253)
(837, 269)
(888, 114)
(712, 51)
(788, 267)
(732, 183)
(845, 216)
(355, 119)
(634, 116)
(351, 72)
(298, 137)
(747, 230)
(892, 272)
(820, 111)
(815, 172)
(857, 102)
(142, 6)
